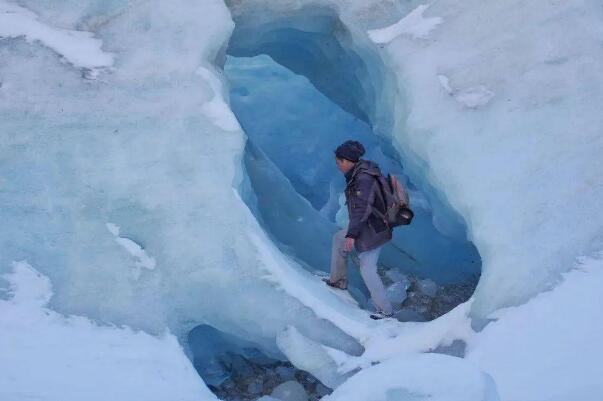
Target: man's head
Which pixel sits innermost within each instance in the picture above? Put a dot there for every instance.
(347, 155)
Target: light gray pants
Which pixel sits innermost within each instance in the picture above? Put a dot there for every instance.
(368, 271)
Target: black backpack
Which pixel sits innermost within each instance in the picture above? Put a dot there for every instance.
(397, 210)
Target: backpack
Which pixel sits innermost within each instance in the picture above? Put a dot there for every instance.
(395, 197)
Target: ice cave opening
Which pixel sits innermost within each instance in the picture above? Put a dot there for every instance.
(300, 84)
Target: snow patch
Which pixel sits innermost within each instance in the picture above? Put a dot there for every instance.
(413, 25)
(472, 97)
(431, 377)
(216, 109)
(48, 356)
(141, 258)
(548, 348)
(79, 48)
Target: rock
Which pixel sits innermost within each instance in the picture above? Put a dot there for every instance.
(428, 287)
(322, 390)
(285, 373)
(255, 387)
(290, 391)
(240, 367)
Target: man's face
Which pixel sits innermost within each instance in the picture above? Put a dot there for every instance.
(343, 165)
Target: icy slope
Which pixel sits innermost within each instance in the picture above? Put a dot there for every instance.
(48, 356)
(548, 349)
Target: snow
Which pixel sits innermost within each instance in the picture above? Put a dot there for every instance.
(311, 356)
(428, 287)
(79, 48)
(549, 348)
(142, 259)
(418, 377)
(414, 25)
(48, 356)
(472, 97)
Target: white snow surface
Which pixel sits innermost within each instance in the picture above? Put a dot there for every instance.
(431, 377)
(48, 356)
(548, 349)
(414, 25)
(79, 48)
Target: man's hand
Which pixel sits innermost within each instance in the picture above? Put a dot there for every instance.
(348, 245)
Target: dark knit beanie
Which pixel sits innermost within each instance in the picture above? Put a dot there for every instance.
(350, 150)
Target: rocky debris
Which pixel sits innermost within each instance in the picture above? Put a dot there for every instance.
(249, 379)
(427, 287)
(419, 300)
(451, 295)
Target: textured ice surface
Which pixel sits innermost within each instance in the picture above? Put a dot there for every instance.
(136, 149)
(509, 140)
(557, 354)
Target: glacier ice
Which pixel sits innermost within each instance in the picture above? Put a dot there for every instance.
(494, 110)
(483, 143)
(81, 154)
(311, 356)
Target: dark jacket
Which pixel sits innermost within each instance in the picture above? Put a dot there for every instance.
(362, 193)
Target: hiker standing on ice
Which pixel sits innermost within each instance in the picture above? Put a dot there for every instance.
(366, 232)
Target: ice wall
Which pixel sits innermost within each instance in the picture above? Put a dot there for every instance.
(503, 108)
(496, 114)
(118, 181)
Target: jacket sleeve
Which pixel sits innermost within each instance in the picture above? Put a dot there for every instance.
(359, 204)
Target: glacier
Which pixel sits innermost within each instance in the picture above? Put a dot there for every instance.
(127, 181)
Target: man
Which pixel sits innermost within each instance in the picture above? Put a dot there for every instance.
(366, 232)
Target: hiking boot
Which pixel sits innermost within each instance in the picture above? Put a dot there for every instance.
(381, 315)
(339, 284)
